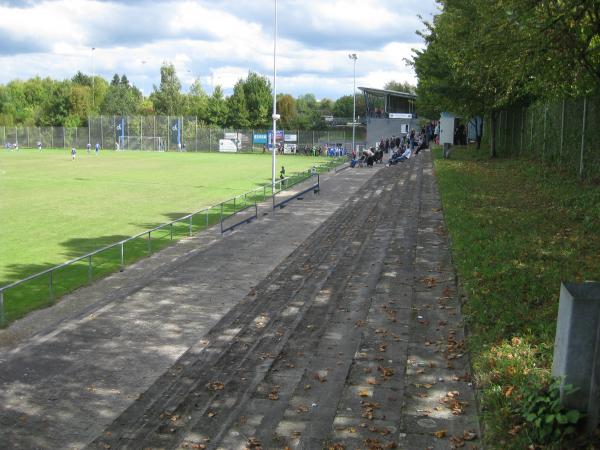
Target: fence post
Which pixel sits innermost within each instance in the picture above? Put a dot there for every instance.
(209, 139)
(28, 137)
(101, 134)
(141, 132)
(523, 115)
(196, 136)
(171, 230)
(51, 286)
(122, 256)
(191, 225)
(149, 243)
(1, 308)
(64, 138)
(544, 140)
(562, 130)
(168, 131)
(583, 136)
(90, 269)
(531, 134)
(89, 130)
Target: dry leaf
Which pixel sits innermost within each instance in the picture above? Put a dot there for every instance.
(364, 393)
(215, 386)
(440, 434)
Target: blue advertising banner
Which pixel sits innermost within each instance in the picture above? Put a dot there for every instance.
(260, 138)
(120, 126)
(279, 137)
(176, 132)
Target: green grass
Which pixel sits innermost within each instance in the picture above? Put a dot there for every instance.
(54, 209)
(518, 229)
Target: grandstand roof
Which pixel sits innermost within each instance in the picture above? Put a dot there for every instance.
(384, 92)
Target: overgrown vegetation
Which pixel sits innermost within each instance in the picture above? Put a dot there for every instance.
(518, 229)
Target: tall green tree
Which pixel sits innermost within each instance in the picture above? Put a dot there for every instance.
(217, 108)
(167, 97)
(286, 108)
(237, 111)
(259, 101)
(121, 97)
(197, 102)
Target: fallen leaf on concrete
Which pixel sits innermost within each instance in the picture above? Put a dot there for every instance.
(469, 435)
(211, 414)
(302, 409)
(387, 372)
(253, 444)
(215, 386)
(364, 393)
(440, 434)
(372, 381)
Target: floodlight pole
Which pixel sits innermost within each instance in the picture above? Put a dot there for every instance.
(93, 81)
(353, 57)
(275, 115)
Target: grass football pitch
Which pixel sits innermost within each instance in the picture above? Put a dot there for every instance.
(54, 209)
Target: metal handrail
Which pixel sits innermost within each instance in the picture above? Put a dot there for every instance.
(149, 232)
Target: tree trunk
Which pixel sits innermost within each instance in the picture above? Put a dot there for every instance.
(494, 119)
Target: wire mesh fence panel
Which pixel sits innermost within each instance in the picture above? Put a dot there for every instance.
(591, 145)
(563, 132)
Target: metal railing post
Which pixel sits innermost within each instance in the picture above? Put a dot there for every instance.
(122, 256)
(583, 136)
(51, 286)
(191, 224)
(90, 269)
(171, 229)
(149, 243)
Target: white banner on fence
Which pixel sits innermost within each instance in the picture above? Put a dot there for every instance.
(400, 116)
(227, 145)
(291, 137)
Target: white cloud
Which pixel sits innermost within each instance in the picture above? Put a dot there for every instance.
(218, 42)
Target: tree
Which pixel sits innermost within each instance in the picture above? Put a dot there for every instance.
(197, 102)
(257, 90)
(167, 98)
(309, 114)
(237, 112)
(217, 108)
(286, 107)
(121, 97)
(401, 86)
(344, 106)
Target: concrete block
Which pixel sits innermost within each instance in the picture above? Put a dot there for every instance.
(577, 347)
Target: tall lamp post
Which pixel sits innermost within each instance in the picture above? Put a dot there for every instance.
(93, 81)
(353, 57)
(275, 116)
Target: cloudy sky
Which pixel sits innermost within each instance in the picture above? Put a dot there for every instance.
(215, 41)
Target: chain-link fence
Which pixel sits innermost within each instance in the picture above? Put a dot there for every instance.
(169, 133)
(564, 133)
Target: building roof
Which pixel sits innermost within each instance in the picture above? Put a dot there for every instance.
(384, 92)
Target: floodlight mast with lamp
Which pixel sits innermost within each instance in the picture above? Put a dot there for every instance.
(353, 57)
(275, 116)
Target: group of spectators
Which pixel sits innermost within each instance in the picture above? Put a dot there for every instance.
(398, 148)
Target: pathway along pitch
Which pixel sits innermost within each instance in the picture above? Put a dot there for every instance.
(354, 341)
